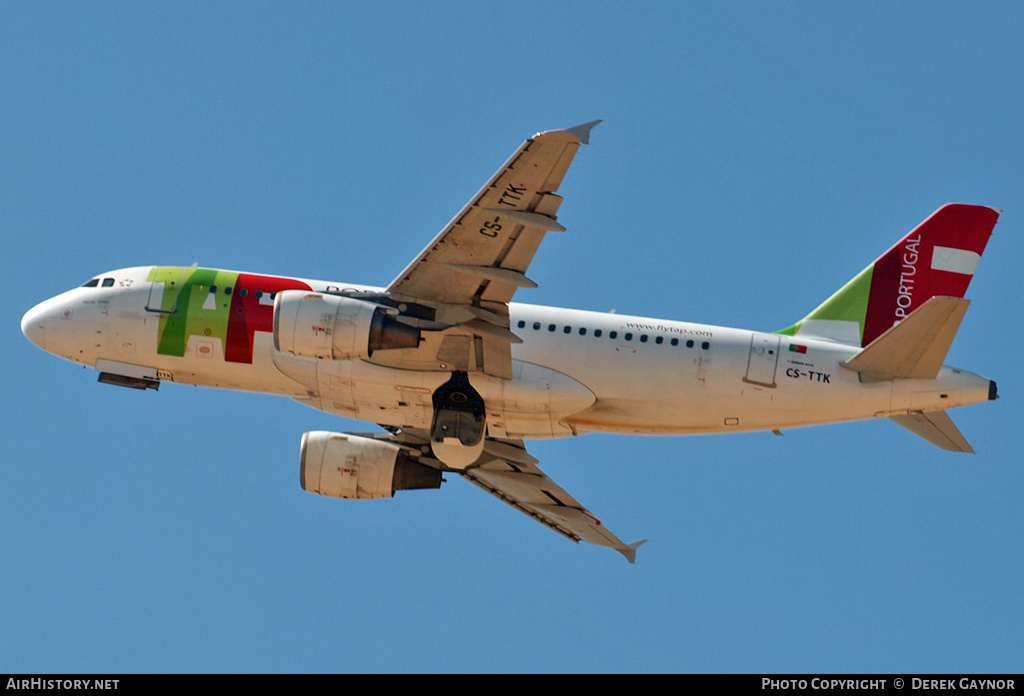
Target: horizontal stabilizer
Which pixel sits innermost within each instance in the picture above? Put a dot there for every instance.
(916, 347)
(937, 428)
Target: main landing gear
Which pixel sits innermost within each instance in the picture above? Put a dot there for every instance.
(460, 422)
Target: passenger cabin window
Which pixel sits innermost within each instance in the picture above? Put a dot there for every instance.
(536, 326)
(551, 327)
(583, 332)
(659, 340)
(597, 333)
(689, 344)
(91, 283)
(613, 335)
(522, 324)
(567, 329)
(705, 345)
(675, 341)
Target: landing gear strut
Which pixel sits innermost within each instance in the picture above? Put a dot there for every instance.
(460, 422)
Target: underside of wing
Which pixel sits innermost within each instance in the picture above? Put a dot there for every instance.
(508, 472)
(482, 255)
(470, 271)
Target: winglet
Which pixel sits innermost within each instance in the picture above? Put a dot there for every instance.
(629, 550)
(582, 131)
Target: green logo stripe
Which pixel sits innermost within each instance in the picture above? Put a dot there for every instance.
(199, 312)
(849, 303)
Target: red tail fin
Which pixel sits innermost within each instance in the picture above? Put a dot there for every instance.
(937, 258)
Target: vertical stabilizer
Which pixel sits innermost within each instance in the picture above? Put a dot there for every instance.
(937, 258)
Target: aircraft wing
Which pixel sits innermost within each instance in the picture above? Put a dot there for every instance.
(483, 253)
(509, 473)
(475, 264)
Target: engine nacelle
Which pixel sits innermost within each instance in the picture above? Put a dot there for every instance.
(341, 465)
(317, 325)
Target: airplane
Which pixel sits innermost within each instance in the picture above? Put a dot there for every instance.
(458, 376)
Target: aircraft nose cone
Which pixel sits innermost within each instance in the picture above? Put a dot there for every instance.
(33, 325)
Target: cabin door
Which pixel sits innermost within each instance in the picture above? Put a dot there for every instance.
(164, 290)
(764, 356)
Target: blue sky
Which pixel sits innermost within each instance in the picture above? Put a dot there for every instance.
(753, 158)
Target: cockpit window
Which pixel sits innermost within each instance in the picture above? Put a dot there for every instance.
(91, 283)
(108, 282)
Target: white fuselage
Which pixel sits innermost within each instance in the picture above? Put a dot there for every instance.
(575, 371)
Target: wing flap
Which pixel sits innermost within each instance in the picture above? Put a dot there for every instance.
(497, 356)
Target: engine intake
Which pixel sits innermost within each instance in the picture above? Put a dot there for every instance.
(341, 465)
(316, 325)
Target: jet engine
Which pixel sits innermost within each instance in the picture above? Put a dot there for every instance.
(341, 465)
(317, 325)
